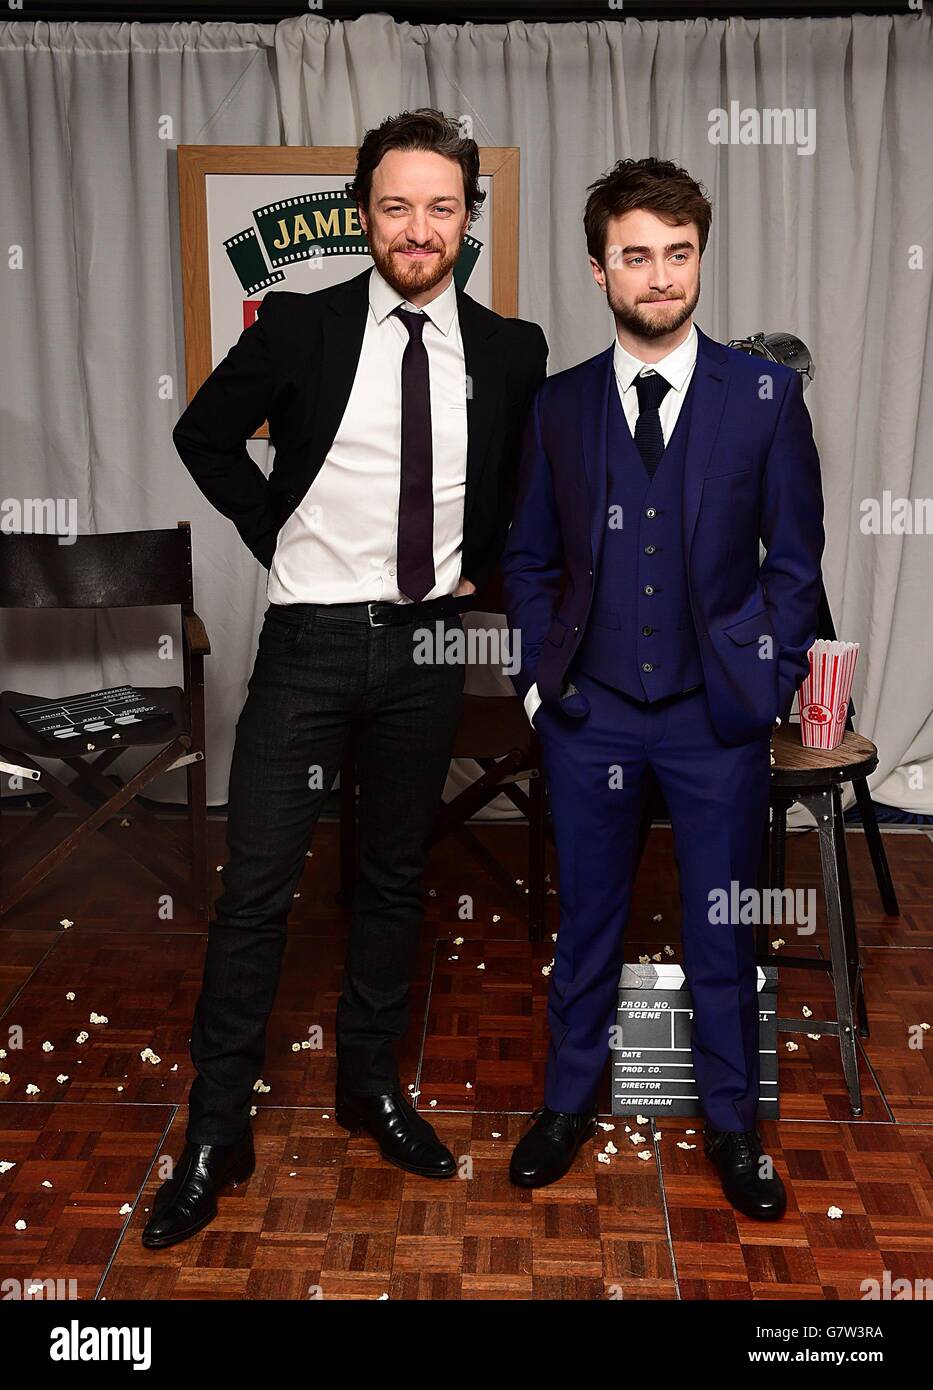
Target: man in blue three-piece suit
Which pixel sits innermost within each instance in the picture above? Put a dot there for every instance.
(652, 636)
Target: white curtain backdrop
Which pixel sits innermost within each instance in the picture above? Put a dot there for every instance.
(832, 244)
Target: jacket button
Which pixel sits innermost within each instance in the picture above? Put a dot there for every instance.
(647, 631)
(650, 549)
(647, 666)
(649, 589)
(651, 511)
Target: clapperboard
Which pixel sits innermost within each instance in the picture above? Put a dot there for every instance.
(92, 717)
(652, 1066)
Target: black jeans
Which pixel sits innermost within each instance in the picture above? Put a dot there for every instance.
(319, 680)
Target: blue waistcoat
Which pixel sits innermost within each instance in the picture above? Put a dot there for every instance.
(640, 636)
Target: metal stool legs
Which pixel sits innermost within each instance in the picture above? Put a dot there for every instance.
(876, 847)
(844, 964)
(826, 809)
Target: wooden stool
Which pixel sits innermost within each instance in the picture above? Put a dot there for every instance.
(813, 776)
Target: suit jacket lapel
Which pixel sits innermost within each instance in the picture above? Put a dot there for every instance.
(710, 383)
(344, 326)
(484, 380)
(594, 415)
(710, 386)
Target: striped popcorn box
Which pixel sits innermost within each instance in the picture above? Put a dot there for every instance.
(824, 693)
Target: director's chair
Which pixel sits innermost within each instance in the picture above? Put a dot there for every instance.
(130, 569)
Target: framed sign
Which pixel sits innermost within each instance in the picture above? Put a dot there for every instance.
(254, 217)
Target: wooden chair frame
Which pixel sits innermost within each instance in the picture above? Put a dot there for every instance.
(114, 570)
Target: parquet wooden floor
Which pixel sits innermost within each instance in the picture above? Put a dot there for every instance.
(324, 1217)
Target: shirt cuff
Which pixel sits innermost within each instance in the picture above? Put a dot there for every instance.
(532, 701)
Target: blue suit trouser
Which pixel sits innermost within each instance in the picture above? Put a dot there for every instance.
(717, 797)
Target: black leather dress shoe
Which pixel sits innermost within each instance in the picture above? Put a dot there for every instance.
(187, 1201)
(738, 1156)
(549, 1148)
(403, 1136)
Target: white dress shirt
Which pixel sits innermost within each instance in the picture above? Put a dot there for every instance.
(676, 368)
(340, 543)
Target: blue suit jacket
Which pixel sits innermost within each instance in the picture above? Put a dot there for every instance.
(751, 471)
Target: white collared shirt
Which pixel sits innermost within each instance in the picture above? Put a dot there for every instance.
(340, 543)
(676, 368)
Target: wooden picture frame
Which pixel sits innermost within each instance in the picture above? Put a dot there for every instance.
(197, 162)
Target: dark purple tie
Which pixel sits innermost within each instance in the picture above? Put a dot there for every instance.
(416, 491)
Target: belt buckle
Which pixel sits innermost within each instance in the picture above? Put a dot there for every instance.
(374, 603)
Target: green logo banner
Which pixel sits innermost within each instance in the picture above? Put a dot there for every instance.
(303, 228)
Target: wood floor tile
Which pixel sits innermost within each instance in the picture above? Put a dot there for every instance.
(878, 1175)
(20, 953)
(75, 1166)
(147, 987)
(325, 1217)
(899, 993)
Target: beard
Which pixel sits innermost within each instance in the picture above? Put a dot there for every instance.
(412, 277)
(652, 323)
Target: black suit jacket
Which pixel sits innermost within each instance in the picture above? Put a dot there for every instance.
(295, 365)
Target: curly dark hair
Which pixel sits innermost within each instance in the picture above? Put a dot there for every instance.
(424, 129)
(657, 185)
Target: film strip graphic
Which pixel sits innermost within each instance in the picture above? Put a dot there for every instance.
(306, 228)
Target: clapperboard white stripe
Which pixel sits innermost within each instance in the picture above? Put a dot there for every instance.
(663, 977)
(643, 1098)
(93, 700)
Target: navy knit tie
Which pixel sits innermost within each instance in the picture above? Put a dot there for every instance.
(416, 494)
(649, 437)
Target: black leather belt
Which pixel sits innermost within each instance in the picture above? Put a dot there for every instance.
(380, 614)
